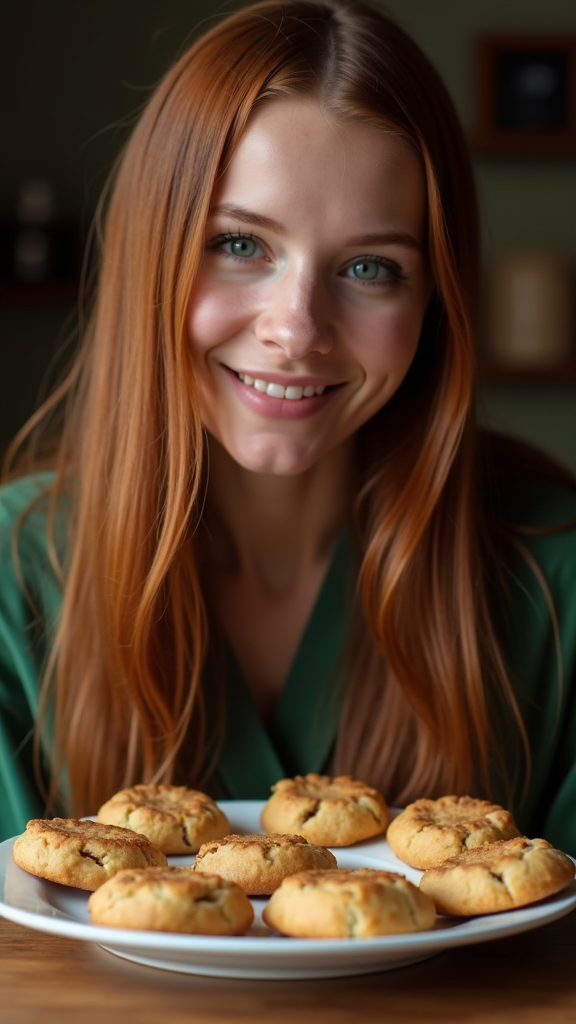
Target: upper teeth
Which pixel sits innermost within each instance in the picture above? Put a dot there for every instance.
(278, 391)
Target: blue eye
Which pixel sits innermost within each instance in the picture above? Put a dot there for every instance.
(373, 269)
(236, 246)
(244, 247)
(366, 270)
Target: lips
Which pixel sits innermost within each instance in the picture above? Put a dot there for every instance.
(293, 399)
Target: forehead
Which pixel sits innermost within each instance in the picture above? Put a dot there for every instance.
(295, 155)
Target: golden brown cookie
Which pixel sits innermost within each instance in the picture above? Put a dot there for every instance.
(348, 904)
(329, 811)
(498, 876)
(84, 854)
(427, 832)
(172, 899)
(260, 863)
(176, 819)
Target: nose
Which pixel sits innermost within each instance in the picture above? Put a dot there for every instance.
(295, 317)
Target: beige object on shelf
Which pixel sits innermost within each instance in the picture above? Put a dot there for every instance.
(532, 320)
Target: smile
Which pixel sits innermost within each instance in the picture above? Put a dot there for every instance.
(293, 392)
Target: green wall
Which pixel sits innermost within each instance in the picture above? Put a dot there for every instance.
(74, 72)
(524, 202)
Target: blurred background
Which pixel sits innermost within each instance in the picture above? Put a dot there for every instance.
(74, 73)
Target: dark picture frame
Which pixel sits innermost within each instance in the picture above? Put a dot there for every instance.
(525, 94)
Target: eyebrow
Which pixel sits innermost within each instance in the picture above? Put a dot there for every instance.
(386, 238)
(249, 216)
(403, 238)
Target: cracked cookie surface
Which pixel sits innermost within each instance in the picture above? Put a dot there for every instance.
(427, 832)
(344, 904)
(258, 863)
(329, 810)
(172, 899)
(84, 854)
(498, 876)
(175, 818)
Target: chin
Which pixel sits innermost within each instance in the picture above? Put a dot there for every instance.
(276, 459)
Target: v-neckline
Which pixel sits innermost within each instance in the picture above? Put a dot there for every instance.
(301, 732)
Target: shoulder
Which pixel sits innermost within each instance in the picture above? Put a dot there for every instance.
(541, 515)
(535, 603)
(530, 501)
(537, 543)
(531, 564)
(20, 494)
(32, 553)
(24, 519)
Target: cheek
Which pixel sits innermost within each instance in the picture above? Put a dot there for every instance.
(388, 342)
(214, 315)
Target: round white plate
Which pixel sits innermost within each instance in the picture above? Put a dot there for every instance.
(261, 953)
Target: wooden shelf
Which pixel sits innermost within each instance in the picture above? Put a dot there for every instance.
(537, 146)
(64, 294)
(507, 373)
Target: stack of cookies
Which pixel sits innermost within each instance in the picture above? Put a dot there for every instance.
(473, 858)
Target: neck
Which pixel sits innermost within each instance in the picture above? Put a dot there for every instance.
(270, 528)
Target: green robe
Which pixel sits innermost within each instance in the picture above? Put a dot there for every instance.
(301, 734)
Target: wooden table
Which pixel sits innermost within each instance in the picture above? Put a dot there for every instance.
(530, 978)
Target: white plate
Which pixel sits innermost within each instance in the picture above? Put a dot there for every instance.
(261, 954)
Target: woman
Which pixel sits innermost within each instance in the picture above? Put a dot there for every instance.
(272, 539)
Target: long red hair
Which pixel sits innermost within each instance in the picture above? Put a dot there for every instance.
(125, 671)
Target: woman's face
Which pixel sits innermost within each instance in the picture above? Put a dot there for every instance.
(307, 310)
